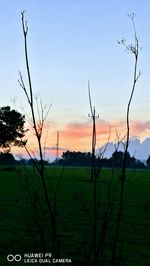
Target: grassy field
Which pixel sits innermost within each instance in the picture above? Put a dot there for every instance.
(74, 204)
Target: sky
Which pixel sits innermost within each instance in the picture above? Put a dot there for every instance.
(69, 43)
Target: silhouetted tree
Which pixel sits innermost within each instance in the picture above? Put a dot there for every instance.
(74, 158)
(11, 128)
(148, 161)
(117, 158)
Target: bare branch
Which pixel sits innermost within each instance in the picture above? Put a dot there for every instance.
(24, 24)
(90, 101)
(22, 85)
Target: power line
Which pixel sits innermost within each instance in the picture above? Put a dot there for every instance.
(96, 106)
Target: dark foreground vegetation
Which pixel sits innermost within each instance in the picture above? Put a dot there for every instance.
(74, 209)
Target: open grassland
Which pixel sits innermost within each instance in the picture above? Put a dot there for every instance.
(72, 192)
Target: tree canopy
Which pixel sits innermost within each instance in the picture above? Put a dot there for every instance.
(11, 128)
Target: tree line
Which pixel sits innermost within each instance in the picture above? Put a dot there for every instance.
(81, 159)
(73, 158)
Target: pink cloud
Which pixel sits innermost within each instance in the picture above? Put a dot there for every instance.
(80, 133)
(139, 127)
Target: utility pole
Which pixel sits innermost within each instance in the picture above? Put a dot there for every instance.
(93, 116)
(57, 146)
(94, 176)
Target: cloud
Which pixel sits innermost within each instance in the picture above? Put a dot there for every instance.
(137, 148)
(84, 130)
(140, 126)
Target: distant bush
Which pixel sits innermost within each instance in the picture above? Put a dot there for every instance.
(7, 159)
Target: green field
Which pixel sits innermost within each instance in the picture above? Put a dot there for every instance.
(74, 209)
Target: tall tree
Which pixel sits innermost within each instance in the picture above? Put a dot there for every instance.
(11, 128)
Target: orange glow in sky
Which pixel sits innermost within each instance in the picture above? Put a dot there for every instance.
(78, 136)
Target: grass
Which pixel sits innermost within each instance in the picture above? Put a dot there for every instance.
(18, 233)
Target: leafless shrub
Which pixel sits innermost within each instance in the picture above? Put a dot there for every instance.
(134, 50)
(37, 126)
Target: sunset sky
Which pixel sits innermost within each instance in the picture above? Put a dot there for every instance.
(71, 42)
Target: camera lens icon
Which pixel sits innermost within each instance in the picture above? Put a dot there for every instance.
(15, 258)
